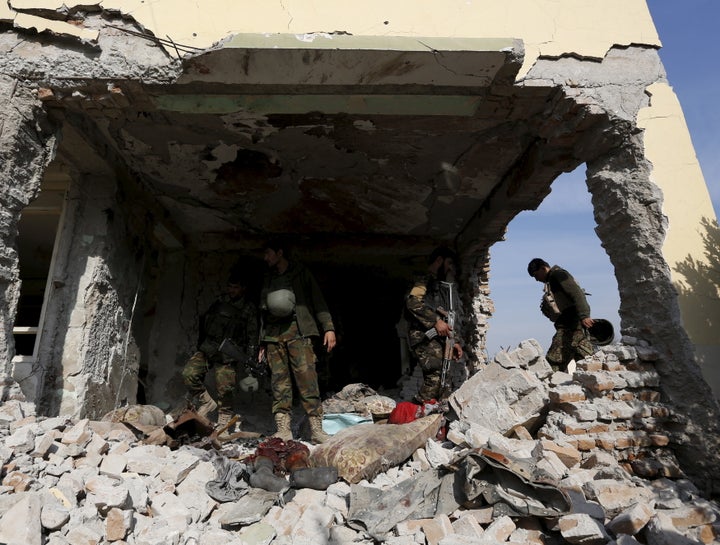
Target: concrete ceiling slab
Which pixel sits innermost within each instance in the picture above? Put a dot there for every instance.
(333, 137)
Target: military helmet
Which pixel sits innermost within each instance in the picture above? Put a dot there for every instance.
(281, 303)
(601, 332)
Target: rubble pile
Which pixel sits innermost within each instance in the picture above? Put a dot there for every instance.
(587, 450)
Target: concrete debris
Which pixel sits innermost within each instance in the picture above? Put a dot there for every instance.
(592, 451)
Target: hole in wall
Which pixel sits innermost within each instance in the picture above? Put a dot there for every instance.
(562, 232)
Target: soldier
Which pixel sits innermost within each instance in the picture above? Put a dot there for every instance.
(565, 304)
(292, 307)
(230, 317)
(428, 329)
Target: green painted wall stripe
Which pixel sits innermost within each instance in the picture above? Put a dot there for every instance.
(328, 104)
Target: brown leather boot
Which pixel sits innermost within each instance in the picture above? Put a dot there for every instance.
(224, 418)
(282, 422)
(317, 435)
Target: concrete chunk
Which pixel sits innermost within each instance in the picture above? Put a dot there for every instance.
(263, 534)
(500, 398)
(54, 514)
(79, 434)
(113, 465)
(118, 524)
(631, 520)
(499, 530)
(21, 523)
(22, 441)
(105, 493)
(177, 466)
(660, 530)
(583, 530)
(614, 496)
(467, 525)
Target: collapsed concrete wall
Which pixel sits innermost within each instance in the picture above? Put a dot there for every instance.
(623, 194)
(96, 350)
(626, 200)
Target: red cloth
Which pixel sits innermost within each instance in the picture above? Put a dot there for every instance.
(285, 456)
(404, 412)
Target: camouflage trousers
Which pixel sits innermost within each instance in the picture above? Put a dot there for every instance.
(567, 344)
(197, 368)
(429, 355)
(296, 356)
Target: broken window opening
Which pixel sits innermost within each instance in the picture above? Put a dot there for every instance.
(38, 228)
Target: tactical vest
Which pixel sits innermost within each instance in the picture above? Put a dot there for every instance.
(223, 320)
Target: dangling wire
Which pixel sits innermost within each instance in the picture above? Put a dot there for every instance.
(160, 41)
(127, 334)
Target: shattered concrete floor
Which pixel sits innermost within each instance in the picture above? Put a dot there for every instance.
(597, 439)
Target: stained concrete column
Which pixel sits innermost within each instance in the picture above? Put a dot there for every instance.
(632, 228)
(88, 348)
(27, 144)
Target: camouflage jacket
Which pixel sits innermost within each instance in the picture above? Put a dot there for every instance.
(421, 304)
(311, 309)
(236, 319)
(569, 296)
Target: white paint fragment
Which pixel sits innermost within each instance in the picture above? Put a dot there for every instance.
(23, 20)
(309, 38)
(7, 15)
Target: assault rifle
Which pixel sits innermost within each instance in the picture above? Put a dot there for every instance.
(255, 368)
(449, 317)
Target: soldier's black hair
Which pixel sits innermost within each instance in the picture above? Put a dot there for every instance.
(444, 252)
(237, 276)
(276, 244)
(535, 265)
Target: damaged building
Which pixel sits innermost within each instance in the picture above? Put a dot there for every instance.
(146, 148)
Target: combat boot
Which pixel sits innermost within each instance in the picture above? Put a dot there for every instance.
(206, 404)
(282, 422)
(317, 435)
(224, 418)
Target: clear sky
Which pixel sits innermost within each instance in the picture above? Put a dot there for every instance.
(561, 230)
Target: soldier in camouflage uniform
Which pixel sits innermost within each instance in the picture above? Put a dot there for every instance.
(427, 328)
(292, 307)
(565, 304)
(232, 317)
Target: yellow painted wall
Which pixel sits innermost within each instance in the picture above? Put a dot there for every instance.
(548, 27)
(686, 204)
